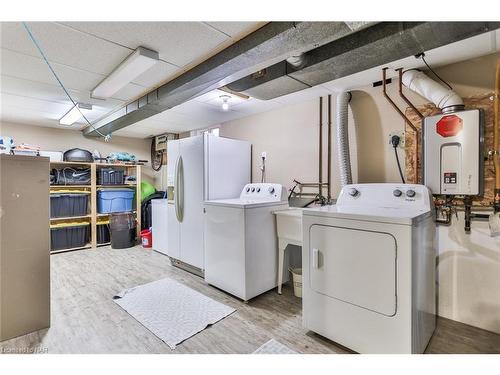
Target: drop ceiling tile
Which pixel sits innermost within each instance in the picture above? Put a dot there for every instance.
(303, 95)
(253, 106)
(179, 43)
(214, 98)
(34, 69)
(37, 90)
(125, 132)
(28, 117)
(130, 92)
(13, 101)
(236, 29)
(9, 102)
(159, 73)
(169, 116)
(64, 45)
(202, 114)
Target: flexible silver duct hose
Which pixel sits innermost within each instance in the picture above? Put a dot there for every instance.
(343, 138)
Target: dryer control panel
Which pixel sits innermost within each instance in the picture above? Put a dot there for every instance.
(385, 196)
(264, 192)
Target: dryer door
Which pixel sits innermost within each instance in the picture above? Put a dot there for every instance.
(354, 266)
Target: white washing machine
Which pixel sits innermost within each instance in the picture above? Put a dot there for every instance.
(369, 268)
(241, 249)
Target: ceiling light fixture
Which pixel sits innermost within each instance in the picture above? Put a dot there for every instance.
(225, 102)
(138, 62)
(74, 114)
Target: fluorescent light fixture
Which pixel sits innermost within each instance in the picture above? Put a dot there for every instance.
(225, 104)
(74, 114)
(129, 69)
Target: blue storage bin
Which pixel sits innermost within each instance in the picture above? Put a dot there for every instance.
(114, 200)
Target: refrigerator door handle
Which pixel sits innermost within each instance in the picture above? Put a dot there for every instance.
(179, 190)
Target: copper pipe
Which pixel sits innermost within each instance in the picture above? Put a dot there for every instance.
(400, 71)
(419, 114)
(404, 116)
(394, 104)
(329, 173)
(496, 140)
(320, 143)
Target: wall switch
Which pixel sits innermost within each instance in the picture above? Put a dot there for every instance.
(401, 135)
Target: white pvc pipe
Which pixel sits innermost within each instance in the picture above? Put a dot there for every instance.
(440, 95)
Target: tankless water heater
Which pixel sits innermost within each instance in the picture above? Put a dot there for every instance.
(453, 153)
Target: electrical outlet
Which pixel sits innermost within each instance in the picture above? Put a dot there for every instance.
(401, 136)
(264, 155)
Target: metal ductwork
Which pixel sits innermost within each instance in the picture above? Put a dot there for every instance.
(272, 43)
(369, 47)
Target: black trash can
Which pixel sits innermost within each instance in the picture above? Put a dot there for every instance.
(123, 230)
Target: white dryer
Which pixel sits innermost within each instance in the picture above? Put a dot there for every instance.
(369, 268)
(241, 249)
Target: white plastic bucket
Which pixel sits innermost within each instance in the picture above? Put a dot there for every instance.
(297, 281)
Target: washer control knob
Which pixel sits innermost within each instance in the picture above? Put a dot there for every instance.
(253, 189)
(397, 193)
(271, 190)
(248, 189)
(258, 190)
(410, 193)
(353, 192)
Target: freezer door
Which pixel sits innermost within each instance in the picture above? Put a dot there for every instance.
(227, 167)
(173, 240)
(354, 266)
(191, 205)
(173, 155)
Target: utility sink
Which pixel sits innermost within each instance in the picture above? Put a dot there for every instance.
(289, 224)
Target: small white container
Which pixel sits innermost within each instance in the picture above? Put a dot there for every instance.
(53, 155)
(297, 281)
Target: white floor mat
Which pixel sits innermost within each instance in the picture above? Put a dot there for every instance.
(171, 310)
(274, 347)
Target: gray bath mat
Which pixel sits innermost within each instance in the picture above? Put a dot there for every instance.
(171, 310)
(274, 347)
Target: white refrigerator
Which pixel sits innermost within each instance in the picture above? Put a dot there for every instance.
(204, 167)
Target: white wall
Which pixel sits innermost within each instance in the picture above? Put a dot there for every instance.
(468, 265)
(54, 139)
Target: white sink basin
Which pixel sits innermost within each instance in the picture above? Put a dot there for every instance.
(289, 224)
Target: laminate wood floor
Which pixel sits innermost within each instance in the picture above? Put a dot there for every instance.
(86, 320)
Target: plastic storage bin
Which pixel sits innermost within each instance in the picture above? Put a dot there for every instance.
(67, 203)
(69, 235)
(103, 236)
(110, 176)
(114, 200)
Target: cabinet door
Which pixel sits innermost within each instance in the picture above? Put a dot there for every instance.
(24, 245)
(191, 227)
(354, 266)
